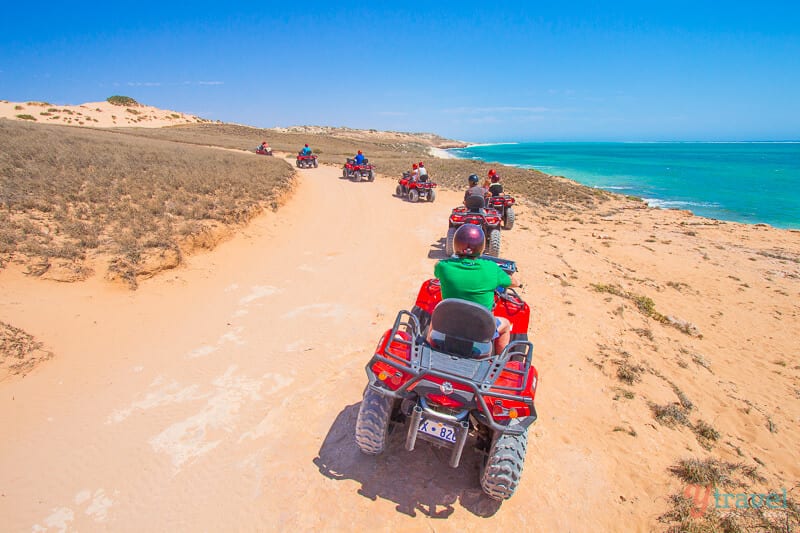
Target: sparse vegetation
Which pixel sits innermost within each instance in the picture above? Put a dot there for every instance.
(19, 351)
(26, 117)
(125, 199)
(124, 101)
(670, 415)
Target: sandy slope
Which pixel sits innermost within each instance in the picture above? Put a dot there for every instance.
(95, 114)
(223, 395)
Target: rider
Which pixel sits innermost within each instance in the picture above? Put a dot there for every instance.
(264, 147)
(496, 188)
(474, 188)
(306, 150)
(359, 158)
(423, 172)
(471, 278)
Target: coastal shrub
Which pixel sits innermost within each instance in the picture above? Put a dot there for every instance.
(18, 108)
(125, 101)
(26, 117)
(670, 415)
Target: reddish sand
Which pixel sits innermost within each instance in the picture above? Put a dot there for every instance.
(222, 395)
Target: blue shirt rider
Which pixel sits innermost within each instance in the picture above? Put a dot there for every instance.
(359, 158)
(305, 151)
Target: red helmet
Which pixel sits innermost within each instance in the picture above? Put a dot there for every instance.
(264, 142)
(421, 164)
(414, 166)
(469, 241)
(492, 172)
(495, 178)
(359, 151)
(306, 146)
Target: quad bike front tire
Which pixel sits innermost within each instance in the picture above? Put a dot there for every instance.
(494, 243)
(431, 195)
(371, 175)
(508, 223)
(399, 191)
(502, 470)
(448, 244)
(315, 163)
(372, 424)
(413, 196)
(344, 173)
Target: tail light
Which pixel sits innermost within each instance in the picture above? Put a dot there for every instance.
(457, 218)
(492, 220)
(514, 410)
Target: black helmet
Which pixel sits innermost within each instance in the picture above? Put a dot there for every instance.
(474, 179)
(469, 241)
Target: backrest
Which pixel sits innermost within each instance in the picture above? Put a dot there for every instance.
(423, 178)
(475, 203)
(462, 328)
(366, 160)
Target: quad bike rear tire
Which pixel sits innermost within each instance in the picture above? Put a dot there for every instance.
(372, 424)
(399, 191)
(494, 243)
(448, 244)
(344, 173)
(315, 163)
(508, 223)
(431, 195)
(371, 175)
(413, 196)
(502, 470)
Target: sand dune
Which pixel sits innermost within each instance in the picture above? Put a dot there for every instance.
(95, 114)
(222, 395)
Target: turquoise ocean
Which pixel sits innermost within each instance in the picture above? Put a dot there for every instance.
(756, 182)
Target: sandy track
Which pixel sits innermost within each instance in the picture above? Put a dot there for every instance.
(223, 396)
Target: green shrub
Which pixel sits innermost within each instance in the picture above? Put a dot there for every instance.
(122, 101)
(26, 117)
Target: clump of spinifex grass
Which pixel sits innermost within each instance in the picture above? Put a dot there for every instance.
(719, 498)
(647, 307)
(124, 198)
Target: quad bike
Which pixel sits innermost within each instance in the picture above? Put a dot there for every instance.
(306, 161)
(415, 191)
(356, 172)
(476, 213)
(455, 389)
(504, 204)
(264, 151)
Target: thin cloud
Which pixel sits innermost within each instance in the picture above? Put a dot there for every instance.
(144, 84)
(497, 109)
(210, 83)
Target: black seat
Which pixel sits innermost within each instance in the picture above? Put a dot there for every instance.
(463, 328)
(423, 178)
(475, 203)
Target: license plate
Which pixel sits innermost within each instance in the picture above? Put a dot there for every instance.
(439, 430)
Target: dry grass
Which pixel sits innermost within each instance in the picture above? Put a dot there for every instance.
(703, 513)
(391, 153)
(68, 195)
(19, 351)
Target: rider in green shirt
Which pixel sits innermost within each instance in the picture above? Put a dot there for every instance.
(470, 278)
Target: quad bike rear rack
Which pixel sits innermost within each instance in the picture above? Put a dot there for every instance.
(479, 375)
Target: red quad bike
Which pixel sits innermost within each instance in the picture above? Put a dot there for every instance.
(503, 204)
(476, 213)
(356, 172)
(415, 191)
(306, 161)
(455, 389)
(262, 151)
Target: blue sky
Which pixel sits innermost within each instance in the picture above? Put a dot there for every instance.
(580, 71)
